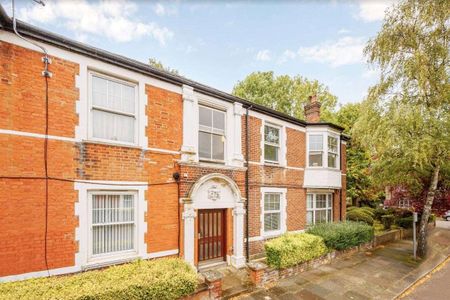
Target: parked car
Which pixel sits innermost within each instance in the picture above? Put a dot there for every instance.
(446, 215)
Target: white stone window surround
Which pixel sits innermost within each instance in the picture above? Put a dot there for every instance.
(282, 160)
(283, 211)
(83, 258)
(91, 106)
(325, 132)
(233, 144)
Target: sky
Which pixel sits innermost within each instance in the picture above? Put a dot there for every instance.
(219, 43)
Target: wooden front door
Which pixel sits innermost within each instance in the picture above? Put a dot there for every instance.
(211, 234)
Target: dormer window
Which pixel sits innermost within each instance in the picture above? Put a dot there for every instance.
(315, 150)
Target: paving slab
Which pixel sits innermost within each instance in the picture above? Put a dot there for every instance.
(381, 273)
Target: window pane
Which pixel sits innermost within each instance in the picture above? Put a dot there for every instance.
(321, 216)
(315, 159)
(112, 126)
(204, 145)
(112, 223)
(271, 153)
(128, 99)
(329, 197)
(309, 217)
(218, 147)
(99, 91)
(219, 120)
(271, 134)
(315, 142)
(271, 221)
(321, 200)
(309, 201)
(332, 144)
(205, 116)
(329, 215)
(331, 160)
(271, 201)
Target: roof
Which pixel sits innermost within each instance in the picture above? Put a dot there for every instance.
(60, 41)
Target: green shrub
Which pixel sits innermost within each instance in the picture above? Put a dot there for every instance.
(350, 208)
(359, 215)
(169, 278)
(432, 218)
(343, 235)
(368, 210)
(387, 221)
(405, 222)
(402, 213)
(378, 212)
(292, 249)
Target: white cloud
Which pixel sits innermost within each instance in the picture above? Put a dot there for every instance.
(345, 51)
(287, 55)
(370, 11)
(343, 31)
(263, 55)
(162, 10)
(113, 19)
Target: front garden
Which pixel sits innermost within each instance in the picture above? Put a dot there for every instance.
(169, 278)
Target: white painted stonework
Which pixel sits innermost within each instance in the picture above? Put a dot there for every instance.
(215, 191)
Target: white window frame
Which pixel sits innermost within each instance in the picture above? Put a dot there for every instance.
(119, 254)
(331, 152)
(313, 209)
(283, 205)
(92, 107)
(202, 159)
(325, 151)
(279, 128)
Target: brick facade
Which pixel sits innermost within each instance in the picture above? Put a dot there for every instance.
(70, 159)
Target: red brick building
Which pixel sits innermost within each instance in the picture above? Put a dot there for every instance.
(116, 160)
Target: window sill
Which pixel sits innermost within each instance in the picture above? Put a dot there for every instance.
(105, 261)
(203, 164)
(112, 143)
(323, 168)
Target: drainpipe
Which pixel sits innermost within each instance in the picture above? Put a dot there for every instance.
(340, 191)
(247, 252)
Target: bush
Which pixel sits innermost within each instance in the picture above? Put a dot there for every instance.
(368, 210)
(387, 221)
(432, 218)
(402, 213)
(169, 278)
(292, 249)
(343, 235)
(360, 215)
(350, 208)
(378, 212)
(405, 222)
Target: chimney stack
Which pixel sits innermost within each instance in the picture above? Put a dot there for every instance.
(312, 110)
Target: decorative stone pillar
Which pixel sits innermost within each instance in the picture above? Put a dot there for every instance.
(189, 231)
(238, 258)
(256, 272)
(238, 158)
(190, 125)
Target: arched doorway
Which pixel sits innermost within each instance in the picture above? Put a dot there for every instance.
(213, 219)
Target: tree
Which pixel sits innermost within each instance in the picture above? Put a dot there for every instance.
(406, 117)
(284, 93)
(359, 180)
(159, 65)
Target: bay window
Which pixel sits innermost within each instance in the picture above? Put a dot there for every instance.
(112, 223)
(271, 144)
(211, 136)
(319, 208)
(113, 109)
(323, 150)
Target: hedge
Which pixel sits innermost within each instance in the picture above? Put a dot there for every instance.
(169, 278)
(387, 221)
(405, 222)
(292, 249)
(360, 215)
(343, 235)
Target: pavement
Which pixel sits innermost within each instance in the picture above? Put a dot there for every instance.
(433, 286)
(382, 273)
